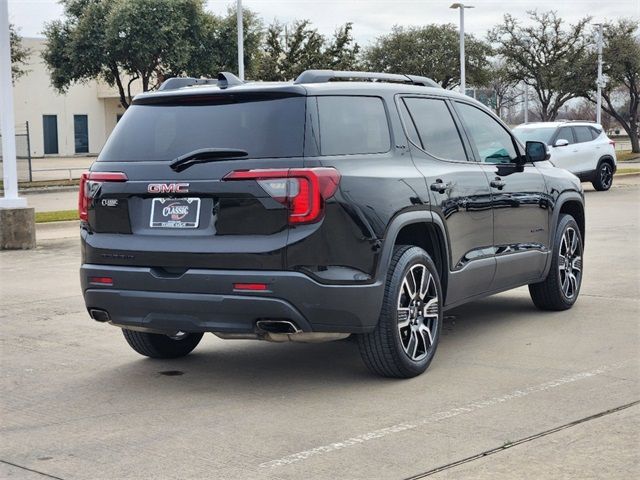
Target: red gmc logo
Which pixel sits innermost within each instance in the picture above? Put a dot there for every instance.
(168, 188)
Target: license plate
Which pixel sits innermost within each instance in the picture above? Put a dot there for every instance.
(175, 213)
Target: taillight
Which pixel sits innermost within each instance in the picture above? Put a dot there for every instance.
(612, 143)
(303, 190)
(89, 184)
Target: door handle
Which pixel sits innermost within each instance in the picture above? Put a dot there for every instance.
(497, 183)
(439, 186)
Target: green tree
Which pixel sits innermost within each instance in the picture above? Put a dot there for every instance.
(431, 51)
(552, 60)
(621, 94)
(124, 41)
(217, 49)
(289, 50)
(19, 53)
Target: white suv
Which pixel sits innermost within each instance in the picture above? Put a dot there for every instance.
(580, 147)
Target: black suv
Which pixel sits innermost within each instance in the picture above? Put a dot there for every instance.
(342, 203)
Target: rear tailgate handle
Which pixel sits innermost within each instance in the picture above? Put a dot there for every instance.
(497, 183)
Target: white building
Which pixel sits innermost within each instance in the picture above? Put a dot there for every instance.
(75, 123)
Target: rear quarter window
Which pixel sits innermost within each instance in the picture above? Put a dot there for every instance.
(352, 125)
(582, 134)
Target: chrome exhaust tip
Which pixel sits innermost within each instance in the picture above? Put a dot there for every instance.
(277, 326)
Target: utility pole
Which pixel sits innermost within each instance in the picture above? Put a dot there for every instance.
(462, 59)
(526, 103)
(240, 41)
(600, 80)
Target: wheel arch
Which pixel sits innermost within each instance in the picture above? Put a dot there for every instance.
(609, 159)
(572, 203)
(421, 229)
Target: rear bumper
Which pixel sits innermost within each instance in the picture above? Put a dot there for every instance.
(202, 300)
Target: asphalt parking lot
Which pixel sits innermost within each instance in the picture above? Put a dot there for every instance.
(512, 393)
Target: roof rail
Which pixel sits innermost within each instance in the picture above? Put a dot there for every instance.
(578, 121)
(322, 76)
(224, 80)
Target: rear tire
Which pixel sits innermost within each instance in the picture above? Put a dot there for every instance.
(406, 337)
(560, 290)
(603, 177)
(156, 345)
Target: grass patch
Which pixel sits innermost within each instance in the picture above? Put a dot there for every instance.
(627, 170)
(44, 184)
(57, 216)
(626, 155)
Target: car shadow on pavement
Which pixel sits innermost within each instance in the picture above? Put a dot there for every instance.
(240, 367)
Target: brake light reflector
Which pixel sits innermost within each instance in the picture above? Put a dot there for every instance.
(101, 280)
(94, 179)
(303, 190)
(250, 286)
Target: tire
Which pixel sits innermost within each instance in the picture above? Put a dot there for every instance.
(603, 177)
(156, 345)
(404, 351)
(559, 291)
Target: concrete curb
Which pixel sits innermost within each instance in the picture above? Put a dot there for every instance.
(56, 230)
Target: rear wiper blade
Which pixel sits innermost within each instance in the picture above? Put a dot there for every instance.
(205, 155)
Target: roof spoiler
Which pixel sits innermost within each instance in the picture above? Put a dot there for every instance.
(322, 76)
(224, 80)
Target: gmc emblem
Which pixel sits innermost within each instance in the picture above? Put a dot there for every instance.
(168, 188)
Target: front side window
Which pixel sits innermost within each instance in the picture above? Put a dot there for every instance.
(493, 142)
(436, 128)
(352, 125)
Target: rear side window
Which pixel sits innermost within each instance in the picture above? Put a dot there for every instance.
(264, 127)
(583, 134)
(438, 133)
(565, 133)
(353, 125)
(595, 133)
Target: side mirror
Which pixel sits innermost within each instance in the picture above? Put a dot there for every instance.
(536, 152)
(561, 142)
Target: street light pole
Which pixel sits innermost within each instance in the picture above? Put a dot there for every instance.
(599, 81)
(462, 58)
(240, 41)
(7, 129)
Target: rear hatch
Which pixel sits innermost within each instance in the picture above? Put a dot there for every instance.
(157, 196)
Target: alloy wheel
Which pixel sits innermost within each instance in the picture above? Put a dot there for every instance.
(606, 175)
(570, 262)
(418, 312)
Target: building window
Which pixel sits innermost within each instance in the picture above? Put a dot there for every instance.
(81, 133)
(50, 132)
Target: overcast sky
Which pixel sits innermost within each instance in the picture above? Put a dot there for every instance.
(370, 17)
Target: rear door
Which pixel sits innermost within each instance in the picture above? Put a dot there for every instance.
(459, 191)
(565, 156)
(153, 215)
(588, 154)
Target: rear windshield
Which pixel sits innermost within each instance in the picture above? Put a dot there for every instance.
(264, 127)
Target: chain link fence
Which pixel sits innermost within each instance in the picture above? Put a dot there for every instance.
(23, 152)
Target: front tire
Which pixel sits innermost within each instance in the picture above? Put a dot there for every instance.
(603, 177)
(155, 345)
(560, 290)
(406, 337)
